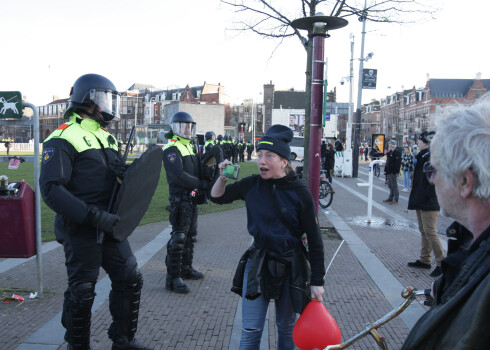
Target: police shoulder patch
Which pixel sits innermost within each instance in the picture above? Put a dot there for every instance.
(172, 156)
(47, 154)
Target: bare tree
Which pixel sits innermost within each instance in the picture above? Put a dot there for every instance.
(272, 19)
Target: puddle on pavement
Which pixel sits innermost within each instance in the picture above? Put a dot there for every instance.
(379, 222)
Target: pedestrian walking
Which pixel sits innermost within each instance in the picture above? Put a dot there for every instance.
(407, 168)
(423, 200)
(323, 153)
(392, 170)
(330, 161)
(280, 209)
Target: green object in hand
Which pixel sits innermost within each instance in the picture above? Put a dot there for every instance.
(231, 171)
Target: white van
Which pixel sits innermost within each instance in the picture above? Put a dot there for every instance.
(297, 146)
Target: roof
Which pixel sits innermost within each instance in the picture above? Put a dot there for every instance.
(289, 99)
(139, 87)
(450, 87)
(59, 101)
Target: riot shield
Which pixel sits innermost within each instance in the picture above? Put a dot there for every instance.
(136, 190)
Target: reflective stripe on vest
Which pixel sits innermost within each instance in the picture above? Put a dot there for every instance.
(84, 135)
(183, 149)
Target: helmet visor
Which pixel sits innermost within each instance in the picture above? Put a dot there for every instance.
(185, 130)
(108, 102)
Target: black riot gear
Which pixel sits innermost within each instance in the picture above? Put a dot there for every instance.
(209, 136)
(93, 90)
(183, 125)
(182, 170)
(220, 137)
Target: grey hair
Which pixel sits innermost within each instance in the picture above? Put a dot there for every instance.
(463, 142)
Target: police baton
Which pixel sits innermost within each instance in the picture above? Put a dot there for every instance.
(101, 234)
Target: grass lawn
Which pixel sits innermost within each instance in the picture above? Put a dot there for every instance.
(156, 211)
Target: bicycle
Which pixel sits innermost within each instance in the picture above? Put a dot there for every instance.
(409, 294)
(325, 197)
(326, 193)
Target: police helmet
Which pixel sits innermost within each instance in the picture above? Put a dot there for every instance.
(183, 125)
(209, 136)
(94, 90)
(220, 137)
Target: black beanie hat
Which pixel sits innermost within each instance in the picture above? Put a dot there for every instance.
(427, 136)
(277, 139)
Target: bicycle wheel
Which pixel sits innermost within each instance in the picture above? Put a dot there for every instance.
(326, 194)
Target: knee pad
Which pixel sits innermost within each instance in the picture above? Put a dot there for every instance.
(135, 280)
(81, 291)
(177, 241)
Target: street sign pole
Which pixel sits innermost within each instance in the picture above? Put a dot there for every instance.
(37, 200)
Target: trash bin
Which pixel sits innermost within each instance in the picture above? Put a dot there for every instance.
(17, 228)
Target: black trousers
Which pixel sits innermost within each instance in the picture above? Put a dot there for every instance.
(180, 248)
(83, 260)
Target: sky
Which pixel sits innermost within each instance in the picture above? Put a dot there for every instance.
(46, 45)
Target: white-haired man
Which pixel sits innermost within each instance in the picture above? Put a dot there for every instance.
(460, 170)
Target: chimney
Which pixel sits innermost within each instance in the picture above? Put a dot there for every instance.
(428, 77)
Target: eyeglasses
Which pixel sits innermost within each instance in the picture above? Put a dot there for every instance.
(430, 172)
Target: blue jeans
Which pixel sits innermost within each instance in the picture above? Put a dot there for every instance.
(253, 318)
(406, 178)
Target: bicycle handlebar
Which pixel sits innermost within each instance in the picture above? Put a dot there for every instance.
(409, 294)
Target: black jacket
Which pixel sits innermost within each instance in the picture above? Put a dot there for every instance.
(460, 318)
(78, 168)
(393, 161)
(423, 195)
(296, 203)
(330, 162)
(267, 274)
(182, 170)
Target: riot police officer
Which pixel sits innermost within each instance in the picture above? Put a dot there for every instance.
(213, 155)
(250, 149)
(182, 170)
(80, 165)
(220, 144)
(241, 150)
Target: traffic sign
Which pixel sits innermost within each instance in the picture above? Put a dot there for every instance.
(10, 104)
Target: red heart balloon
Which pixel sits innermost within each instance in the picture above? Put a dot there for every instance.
(316, 328)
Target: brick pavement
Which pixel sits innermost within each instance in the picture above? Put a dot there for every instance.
(204, 318)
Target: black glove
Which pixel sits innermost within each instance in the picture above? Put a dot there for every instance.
(102, 219)
(119, 168)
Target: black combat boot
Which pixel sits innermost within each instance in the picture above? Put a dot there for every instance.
(176, 285)
(189, 273)
(123, 343)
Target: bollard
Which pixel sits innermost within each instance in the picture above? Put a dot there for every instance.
(370, 189)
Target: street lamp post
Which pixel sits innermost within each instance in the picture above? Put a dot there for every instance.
(357, 133)
(317, 27)
(152, 107)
